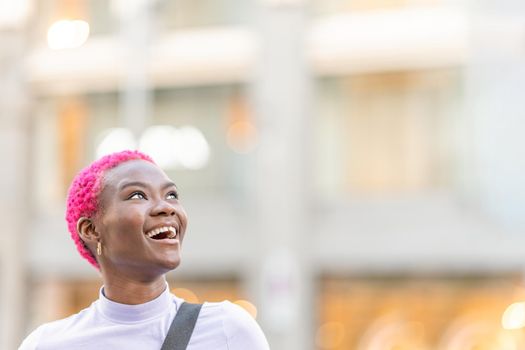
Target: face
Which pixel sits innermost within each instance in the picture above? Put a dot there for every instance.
(140, 221)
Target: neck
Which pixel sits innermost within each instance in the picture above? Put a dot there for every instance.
(131, 291)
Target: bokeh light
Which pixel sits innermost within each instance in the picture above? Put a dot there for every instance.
(114, 140)
(248, 306)
(514, 316)
(67, 34)
(186, 294)
(194, 149)
(329, 335)
(160, 142)
(242, 136)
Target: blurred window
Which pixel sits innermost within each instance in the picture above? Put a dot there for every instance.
(386, 133)
(448, 313)
(100, 17)
(191, 13)
(212, 110)
(332, 7)
(60, 133)
(95, 12)
(67, 131)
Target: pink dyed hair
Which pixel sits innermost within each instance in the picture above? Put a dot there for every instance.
(82, 198)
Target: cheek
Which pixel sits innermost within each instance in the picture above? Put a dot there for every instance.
(183, 216)
(124, 221)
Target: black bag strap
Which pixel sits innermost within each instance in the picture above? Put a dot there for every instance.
(182, 327)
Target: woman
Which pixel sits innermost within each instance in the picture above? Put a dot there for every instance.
(125, 218)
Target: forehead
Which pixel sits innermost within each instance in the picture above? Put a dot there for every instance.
(134, 170)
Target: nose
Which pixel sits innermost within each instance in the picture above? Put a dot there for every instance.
(164, 208)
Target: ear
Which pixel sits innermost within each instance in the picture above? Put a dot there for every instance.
(87, 231)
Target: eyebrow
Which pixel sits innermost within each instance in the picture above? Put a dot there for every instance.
(144, 185)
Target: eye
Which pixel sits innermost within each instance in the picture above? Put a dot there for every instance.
(172, 195)
(137, 195)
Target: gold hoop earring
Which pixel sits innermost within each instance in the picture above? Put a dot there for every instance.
(99, 248)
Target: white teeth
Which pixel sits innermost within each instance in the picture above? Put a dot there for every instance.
(172, 232)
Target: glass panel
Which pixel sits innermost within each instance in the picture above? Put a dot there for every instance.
(100, 17)
(384, 133)
(447, 313)
(331, 7)
(211, 110)
(77, 125)
(191, 13)
(49, 187)
(96, 12)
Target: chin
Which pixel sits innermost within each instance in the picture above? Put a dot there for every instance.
(171, 264)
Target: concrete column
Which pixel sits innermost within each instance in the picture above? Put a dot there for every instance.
(495, 85)
(16, 204)
(136, 34)
(281, 95)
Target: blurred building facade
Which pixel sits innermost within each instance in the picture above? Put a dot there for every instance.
(356, 173)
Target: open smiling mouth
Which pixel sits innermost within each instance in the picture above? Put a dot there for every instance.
(166, 232)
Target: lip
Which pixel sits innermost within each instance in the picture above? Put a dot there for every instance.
(167, 241)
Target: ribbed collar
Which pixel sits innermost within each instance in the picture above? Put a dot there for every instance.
(123, 313)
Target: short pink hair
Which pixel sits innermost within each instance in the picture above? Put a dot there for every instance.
(82, 198)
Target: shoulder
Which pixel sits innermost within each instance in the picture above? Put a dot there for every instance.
(31, 341)
(44, 331)
(51, 329)
(239, 327)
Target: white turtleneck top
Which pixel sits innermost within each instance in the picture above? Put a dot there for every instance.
(109, 325)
